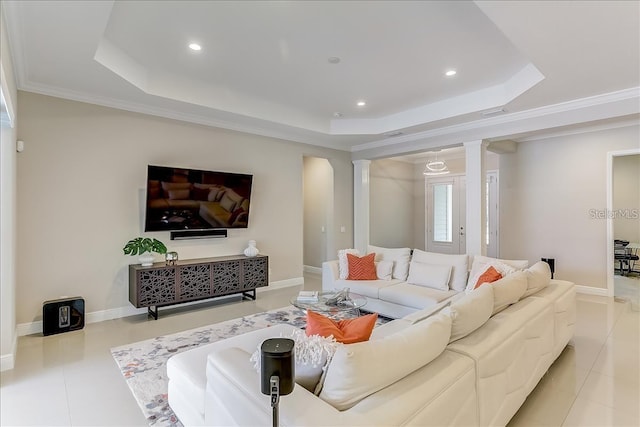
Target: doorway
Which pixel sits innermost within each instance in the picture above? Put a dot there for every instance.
(623, 225)
(318, 221)
(446, 214)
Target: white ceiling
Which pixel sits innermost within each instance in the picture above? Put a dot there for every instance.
(264, 67)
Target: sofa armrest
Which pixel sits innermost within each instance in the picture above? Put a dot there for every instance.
(330, 273)
(233, 396)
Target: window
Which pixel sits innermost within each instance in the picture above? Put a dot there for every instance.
(442, 213)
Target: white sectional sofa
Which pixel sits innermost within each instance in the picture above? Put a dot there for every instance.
(470, 361)
(409, 287)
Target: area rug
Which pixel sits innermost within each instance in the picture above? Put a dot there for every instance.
(143, 364)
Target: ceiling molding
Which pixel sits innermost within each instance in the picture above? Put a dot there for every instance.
(578, 104)
(270, 131)
(617, 104)
(473, 102)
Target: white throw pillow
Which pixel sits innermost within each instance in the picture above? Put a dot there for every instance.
(343, 264)
(470, 312)
(504, 267)
(459, 265)
(429, 275)
(508, 290)
(384, 270)
(399, 256)
(538, 278)
(358, 370)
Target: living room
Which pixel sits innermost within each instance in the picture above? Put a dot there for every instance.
(74, 196)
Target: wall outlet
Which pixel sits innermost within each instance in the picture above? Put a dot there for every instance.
(343, 229)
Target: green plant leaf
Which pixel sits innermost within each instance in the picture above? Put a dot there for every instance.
(140, 245)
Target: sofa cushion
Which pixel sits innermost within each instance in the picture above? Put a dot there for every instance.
(346, 331)
(508, 290)
(413, 296)
(358, 370)
(227, 203)
(459, 265)
(399, 256)
(538, 278)
(216, 193)
(166, 186)
(361, 268)
(470, 312)
(343, 264)
(425, 313)
(368, 288)
(384, 270)
(182, 194)
(430, 275)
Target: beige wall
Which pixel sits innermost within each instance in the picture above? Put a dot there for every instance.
(547, 190)
(7, 209)
(81, 180)
(626, 197)
(391, 204)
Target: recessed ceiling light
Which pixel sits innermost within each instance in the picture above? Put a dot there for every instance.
(333, 60)
(195, 46)
(361, 104)
(450, 73)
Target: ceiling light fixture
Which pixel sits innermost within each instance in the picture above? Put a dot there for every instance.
(435, 167)
(361, 104)
(195, 46)
(450, 73)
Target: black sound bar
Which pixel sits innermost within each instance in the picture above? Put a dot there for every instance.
(198, 234)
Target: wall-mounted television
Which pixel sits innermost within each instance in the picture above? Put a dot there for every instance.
(191, 199)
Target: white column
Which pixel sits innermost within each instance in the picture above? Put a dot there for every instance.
(361, 205)
(476, 194)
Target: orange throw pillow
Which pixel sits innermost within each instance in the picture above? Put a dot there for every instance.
(362, 268)
(489, 276)
(346, 331)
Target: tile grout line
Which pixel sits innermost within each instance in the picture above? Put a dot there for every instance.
(593, 364)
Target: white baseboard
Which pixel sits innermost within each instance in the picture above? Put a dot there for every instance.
(311, 269)
(8, 361)
(296, 281)
(589, 290)
(116, 313)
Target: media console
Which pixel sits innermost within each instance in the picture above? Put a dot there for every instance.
(190, 280)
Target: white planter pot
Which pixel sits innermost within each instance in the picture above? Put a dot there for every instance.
(146, 259)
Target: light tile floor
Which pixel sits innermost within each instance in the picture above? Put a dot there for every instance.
(71, 379)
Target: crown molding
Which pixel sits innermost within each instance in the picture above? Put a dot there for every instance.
(269, 130)
(549, 110)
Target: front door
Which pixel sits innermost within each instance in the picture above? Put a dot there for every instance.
(446, 213)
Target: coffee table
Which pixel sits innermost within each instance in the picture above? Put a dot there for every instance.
(355, 303)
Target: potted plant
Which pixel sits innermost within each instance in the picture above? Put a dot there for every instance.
(144, 246)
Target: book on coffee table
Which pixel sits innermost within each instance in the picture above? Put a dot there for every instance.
(308, 296)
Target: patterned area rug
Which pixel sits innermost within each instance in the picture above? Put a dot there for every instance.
(143, 364)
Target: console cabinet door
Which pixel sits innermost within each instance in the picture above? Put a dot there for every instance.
(156, 286)
(194, 282)
(226, 277)
(255, 273)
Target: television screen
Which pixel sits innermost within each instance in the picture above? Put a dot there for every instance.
(190, 199)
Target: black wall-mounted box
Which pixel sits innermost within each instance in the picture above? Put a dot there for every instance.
(62, 315)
